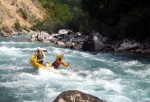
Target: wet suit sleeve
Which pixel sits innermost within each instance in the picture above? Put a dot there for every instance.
(64, 63)
(43, 55)
(35, 54)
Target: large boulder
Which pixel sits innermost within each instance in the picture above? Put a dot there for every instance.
(98, 45)
(34, 36)
(76, 96)
(42, 36)
(88, 44)
(60, 43)
(101, 38)
(93, 43)
(128, 45)
(77, 46)
(64, 31)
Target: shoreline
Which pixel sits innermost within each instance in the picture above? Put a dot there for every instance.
(93, 43)
(138, 54)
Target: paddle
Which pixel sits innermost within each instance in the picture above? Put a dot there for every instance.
(68, 62)
(44, 50)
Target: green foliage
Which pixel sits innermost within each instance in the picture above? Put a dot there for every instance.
(25, 28)
(73, 4)
(62, 13)
(24, 14)
(136, 24)
(59, 16)
(6, 29)
(48, 25)
(120, 18)
(80, 20)
(17, 26)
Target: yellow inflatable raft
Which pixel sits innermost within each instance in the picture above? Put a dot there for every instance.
(6, 35)
(35, 64)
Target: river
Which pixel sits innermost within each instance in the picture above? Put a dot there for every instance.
(112, 77)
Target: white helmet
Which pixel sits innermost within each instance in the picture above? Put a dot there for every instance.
(38, 48)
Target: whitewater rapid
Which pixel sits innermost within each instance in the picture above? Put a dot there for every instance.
(108, 76)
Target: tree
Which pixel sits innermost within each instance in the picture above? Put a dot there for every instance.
(120, 18)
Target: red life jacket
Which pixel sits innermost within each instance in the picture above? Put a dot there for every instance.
(56, 63)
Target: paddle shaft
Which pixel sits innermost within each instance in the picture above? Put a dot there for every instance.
(68, 62)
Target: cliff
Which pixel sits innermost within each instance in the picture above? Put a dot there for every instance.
(23, 12)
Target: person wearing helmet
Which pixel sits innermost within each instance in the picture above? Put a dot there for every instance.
(59, 61)
(40, 55)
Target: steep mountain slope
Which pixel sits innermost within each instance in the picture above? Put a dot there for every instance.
(23, 12)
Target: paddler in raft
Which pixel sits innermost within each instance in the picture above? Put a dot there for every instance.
(40, 55)
(59, 61)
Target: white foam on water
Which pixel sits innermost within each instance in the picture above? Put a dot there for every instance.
(74, 81)
(101, 60)
(86, 54)
(50, 94)
(11, 51)
(45, 74)
(90, 79)
(99, 81)
(58, 50)
(8, 59)
(118, 98)
(12, 42)
(131, 63)
(140, 73)
(140, 95)
(66, 72)
(105, 60)
(110, 85)
(28, 76)
(145, 100)
(12, 67)
(103, 71)
(9, 42)
(19, 83)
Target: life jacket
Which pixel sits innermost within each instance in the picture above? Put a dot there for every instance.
(56, 63)
(39, 55)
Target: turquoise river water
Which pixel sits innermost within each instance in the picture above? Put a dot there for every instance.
(108, 76)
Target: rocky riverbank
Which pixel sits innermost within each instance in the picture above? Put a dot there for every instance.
(91, 42)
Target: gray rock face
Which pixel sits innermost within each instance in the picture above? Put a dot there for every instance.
(76, 96)
(68, 38)
(64, 37)
(42, 36)
(128, 45)
(98, 44)
(93, 42)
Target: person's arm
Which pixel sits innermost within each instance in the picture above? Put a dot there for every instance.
(64, 63)
(43, 55)
(35, 54)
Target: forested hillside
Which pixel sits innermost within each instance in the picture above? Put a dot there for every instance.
(116, 19)
(62, 14)
(120, 18)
